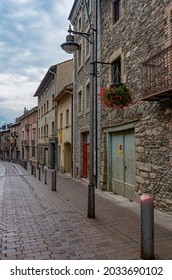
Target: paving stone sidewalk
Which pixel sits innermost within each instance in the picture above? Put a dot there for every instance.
(37, 223)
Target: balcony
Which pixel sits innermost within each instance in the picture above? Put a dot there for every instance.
(157, 76)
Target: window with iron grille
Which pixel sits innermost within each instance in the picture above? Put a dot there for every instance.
(116, 71)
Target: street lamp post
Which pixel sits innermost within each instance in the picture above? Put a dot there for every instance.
(70, 46)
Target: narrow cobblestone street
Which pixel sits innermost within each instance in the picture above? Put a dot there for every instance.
(36, 223)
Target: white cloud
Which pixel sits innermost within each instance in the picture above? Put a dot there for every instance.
(31, 33)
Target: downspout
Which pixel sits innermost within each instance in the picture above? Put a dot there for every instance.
(96, 100)
(72, 173)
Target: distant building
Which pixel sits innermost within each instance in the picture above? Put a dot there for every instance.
(5, 142)
(15, 141)
(64, 100)
(56, 78)
(64, 117)
(46, 114)
(28, 135)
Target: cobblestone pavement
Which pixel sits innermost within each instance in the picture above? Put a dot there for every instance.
(36, 223)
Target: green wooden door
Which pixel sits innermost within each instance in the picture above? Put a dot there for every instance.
(117, 164)
(123, 163)
(129, 164)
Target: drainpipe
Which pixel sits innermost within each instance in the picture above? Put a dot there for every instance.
(72, 173)
(96, 146)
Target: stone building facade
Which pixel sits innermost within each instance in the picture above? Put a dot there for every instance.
(81, 88)
(143, 129)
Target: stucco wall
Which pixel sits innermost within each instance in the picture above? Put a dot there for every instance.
(64, 74)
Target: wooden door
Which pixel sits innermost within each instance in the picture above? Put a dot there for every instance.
(123, 163)
(86, 156)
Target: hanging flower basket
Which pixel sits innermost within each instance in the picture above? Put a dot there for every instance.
(115, 96)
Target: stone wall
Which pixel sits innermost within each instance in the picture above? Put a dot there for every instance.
(81, 78)
(141, 32)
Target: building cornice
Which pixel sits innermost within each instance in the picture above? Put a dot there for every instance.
(46, 78)
(28, 113)
(74, 11)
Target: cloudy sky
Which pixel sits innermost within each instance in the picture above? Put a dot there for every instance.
(31, 32)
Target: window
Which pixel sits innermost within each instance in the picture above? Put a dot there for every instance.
(34, 135)
(47, 106)
(87, 46)
(116, 71)
(33, 151)
(52, 100)
(41, 132)
(116, 10)
(88, 3)
(168, 24)
(80, 24)
(52, 128)
(79, 55)
(79, 102)
(67, 117)
(47, 130)
(87, 96)
(61, 120)
(44, 109)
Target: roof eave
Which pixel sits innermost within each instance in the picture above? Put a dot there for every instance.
(45, 79)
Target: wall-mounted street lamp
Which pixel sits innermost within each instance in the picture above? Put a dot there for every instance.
(70, 46)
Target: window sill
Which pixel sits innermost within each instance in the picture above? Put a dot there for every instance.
(87, 110)
(87, 57)
(79, 67)
(115, 25)
(80, 114)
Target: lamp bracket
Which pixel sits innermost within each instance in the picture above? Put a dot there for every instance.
(83, 34)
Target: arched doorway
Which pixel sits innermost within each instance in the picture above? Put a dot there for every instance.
(67, 157)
